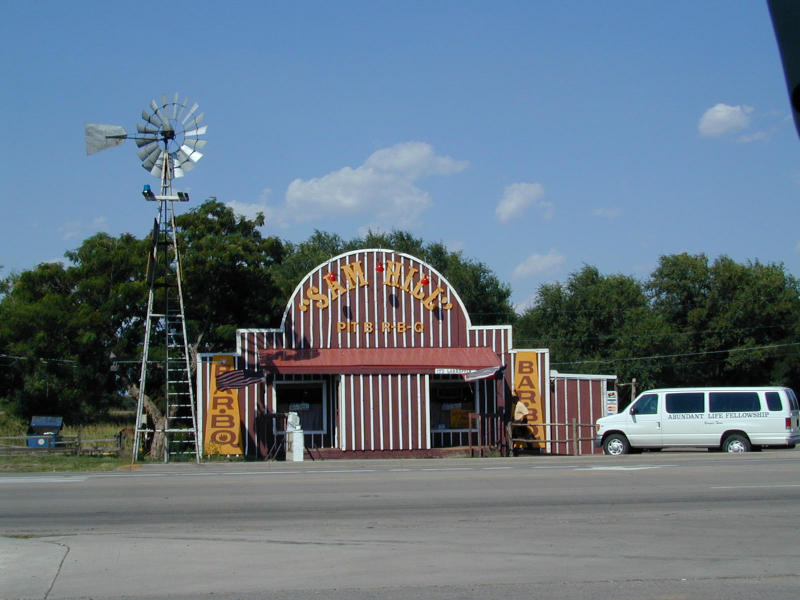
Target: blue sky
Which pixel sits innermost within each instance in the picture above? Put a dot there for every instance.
(535, 136)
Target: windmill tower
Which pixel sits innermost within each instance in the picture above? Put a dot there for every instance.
(169, 141)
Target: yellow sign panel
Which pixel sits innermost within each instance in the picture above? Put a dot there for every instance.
(222, 426)
(527, 389)
(459, 418)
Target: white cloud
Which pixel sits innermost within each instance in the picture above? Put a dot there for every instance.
(384, 187)
(455, 245)
(606, 213)
(74, 229)
(723, 118)
(539, 264)
(757, 136)
(413, 160)
(249, 210)
(519, 196)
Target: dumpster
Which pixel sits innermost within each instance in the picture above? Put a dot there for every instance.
(43, 432)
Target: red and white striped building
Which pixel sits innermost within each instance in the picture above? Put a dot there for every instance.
(375, 352)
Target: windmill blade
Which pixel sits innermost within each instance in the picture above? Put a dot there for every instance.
(153, 118)
(147, 150)
(195, 143)
(179, 164)
(145, 129)
(157, 111)
(175, 107)
(148, 139)
(163, 112)
(100, 136)
(159, 164)
(194, 122)
(154, 108)
(195, 132)
(182, 161)
(195, 106)
(183, 105)
(149, 162)
(191, 154)
(149, 159)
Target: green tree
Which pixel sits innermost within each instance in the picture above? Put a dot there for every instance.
(48, 339)
(597, 324)
(305, 256)
(228, 269)
(71, 336)
(485, 297)
(734, 324)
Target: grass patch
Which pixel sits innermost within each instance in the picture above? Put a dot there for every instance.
(41, 462)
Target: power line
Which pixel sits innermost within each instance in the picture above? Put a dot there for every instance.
(681, 355)
(670, 334)
(44, 360)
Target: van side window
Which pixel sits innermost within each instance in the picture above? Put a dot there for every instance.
(685, 402)
(647, 405)
(774, 401)
(792, 399)
(719, 402)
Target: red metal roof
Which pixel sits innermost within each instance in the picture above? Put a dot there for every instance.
(377, 360)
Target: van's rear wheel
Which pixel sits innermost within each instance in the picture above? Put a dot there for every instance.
(736, 444)
(616, 444)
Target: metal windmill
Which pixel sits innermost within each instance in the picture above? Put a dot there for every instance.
(169, 141)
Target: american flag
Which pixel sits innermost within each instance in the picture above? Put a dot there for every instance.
(239, 379)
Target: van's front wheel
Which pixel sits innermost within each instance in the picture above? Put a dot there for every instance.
(736, 444)
(616, 444)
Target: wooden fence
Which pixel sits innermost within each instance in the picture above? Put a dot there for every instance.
(63, 444)
(577, 438)
(484, 436)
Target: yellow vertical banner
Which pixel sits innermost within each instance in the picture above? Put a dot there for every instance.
(527, 389)
(222, 426)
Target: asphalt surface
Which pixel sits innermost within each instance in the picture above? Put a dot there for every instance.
(667, 525)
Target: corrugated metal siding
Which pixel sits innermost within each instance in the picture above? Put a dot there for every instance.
(384, 412)
(578, 398)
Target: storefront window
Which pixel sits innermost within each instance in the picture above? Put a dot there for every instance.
(451, 403)
(306, 401)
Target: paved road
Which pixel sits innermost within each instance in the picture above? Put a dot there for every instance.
(663, 526)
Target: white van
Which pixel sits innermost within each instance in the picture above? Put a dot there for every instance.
(732, 419)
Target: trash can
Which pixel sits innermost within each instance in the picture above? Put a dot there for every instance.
(43, 432)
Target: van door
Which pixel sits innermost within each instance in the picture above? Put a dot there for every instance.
(684, 417)
(644, 426)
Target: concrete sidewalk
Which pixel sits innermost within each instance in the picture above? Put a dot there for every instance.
(28, 567)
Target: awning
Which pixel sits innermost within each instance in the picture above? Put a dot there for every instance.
(378, 360)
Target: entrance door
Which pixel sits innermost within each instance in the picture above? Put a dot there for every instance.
(451, 401)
